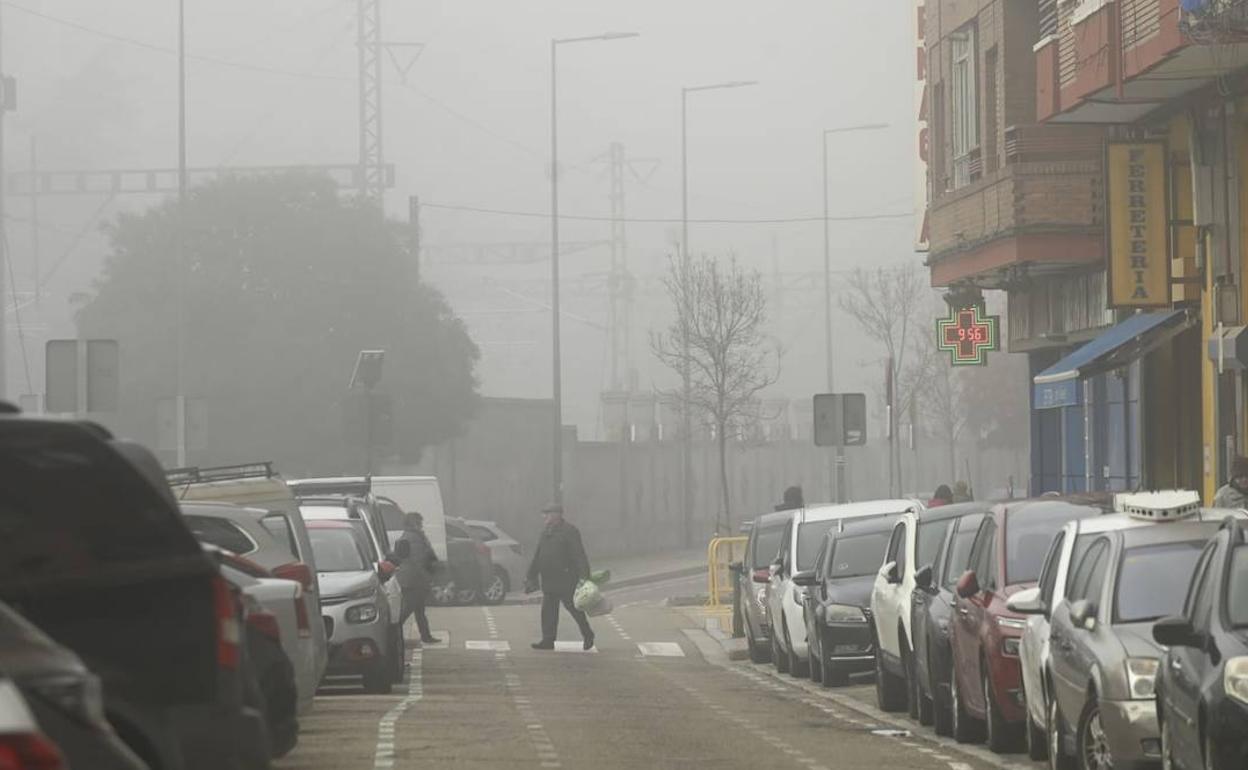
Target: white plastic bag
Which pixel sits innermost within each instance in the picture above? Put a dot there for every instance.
(587, 595)
(601, 608)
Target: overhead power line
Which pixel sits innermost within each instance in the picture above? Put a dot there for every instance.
(671, 220)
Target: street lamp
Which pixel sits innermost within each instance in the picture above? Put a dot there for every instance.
(686, 415)
(557, 364)
(839, 462)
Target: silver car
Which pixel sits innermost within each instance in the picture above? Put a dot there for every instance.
(753, 575)
(1104, 659)
(510, 564)
(354, 608)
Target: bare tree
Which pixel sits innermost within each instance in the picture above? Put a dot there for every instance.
(886, 303)
(717, 338)
(940, 391)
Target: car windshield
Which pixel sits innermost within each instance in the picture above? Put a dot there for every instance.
(767, 545)
(857, 555)
(960, 548)
(220, 532)
(1237, 596)
(1028, 534)
(1153, 579)
(336, 550)
(810, 540)
(1076, 553)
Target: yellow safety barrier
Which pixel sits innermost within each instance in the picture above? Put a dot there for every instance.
(721, 553)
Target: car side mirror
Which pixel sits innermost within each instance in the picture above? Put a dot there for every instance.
(805, 579)
(1175, 632)
(968, 584)
(1026, 602)
(923, 578)
(762, 575)
(1083, 614)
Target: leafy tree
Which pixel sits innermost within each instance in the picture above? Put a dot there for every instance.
(283, 283)
(717, 337)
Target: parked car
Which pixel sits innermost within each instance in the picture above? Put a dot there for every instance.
(467, 572)
(931, 611)
(64, 698)
(94, 552)
(357, 611)
(1068, 547)
(364, 510)
(408, 494)
(1105, 660)
(892, 598)
(986, 690)
(799, 546)
(1202, 682)
(20, 736)
(251, 536)
(507, 555)
(838, 599)
(753, 577)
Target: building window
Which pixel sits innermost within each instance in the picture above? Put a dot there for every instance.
(1048, 18)
(963, 105)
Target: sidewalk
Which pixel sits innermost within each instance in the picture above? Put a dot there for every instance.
(632, 570)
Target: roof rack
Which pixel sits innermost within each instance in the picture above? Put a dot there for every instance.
(1164, 505)
(193, 475)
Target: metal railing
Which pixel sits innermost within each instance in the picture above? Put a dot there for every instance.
(720, 555)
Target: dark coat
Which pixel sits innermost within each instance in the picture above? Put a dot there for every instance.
(560, 559)
(416, 570)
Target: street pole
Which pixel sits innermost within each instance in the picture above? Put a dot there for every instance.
(556, 355)
(686, 476)
(836, 475)
(180, 247)
(4, 239)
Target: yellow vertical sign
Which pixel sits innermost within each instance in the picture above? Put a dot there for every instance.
(1139, 223)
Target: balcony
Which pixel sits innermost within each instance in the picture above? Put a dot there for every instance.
(1042, 211)
(1116, 61)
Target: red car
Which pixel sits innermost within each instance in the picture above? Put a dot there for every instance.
(1006, 557)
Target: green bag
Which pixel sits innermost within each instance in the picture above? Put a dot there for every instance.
(600, 577)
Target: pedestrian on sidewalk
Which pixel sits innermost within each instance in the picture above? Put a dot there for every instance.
(1234, 494)
(416, 564)
(558, 565)
(943, 496)
(793, 499)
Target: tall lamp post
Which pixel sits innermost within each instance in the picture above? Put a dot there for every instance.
(686, 475)
(838, 472)
(557, 363)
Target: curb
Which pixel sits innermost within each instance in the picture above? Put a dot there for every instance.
(734, 648)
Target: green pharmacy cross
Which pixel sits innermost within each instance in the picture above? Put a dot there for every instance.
(968, 336)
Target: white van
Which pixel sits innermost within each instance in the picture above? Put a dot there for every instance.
(396, 495)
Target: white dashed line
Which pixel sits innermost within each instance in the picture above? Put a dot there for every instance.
(383, 758)
(660, 650)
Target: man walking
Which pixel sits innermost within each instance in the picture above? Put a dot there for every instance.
(1234, 494)
(559, 563)
(417, 562)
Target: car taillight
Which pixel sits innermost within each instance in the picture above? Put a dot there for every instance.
(762, 575)
(229, 634)
(302, 621)
(298, 572)
(482, 549)
(265, 623)
(29, 751)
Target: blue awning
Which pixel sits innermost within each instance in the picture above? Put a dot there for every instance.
(1116, 346)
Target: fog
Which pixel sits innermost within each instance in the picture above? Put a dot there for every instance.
(273, 82)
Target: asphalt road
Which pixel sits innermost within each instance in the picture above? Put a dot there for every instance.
(657, 693)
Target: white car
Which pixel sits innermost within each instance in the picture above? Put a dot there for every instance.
(506, 553)
(1039, 602)
(799, 547)
(892, 598)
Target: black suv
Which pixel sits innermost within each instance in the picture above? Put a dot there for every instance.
(1202, 685)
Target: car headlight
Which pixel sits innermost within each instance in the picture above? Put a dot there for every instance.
(1235, 679)
(78, 696)
(843, 613)
(1017, 624)
(1010, 646)
(1142, 678)
(362, 613)
(760, 596)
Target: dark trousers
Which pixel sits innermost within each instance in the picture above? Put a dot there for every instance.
(414, 604)
(550, 615)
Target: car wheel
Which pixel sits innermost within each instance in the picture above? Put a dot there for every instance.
(1000, 734)
(942, 715)
(965, 729)
(758, 653)
(816, 661)
(377, 679)
(442, 594)
(1037, 741)
(1058, 758)
(890, 690)
(496, 591)
(1167, 741)
(1211, 754)
(738, 619)
(797, 666)
(1094, 753)
(778, 656)
(398, 654)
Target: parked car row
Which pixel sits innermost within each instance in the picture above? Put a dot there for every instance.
(1093, 631)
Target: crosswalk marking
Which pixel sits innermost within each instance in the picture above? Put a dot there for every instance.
(572, 647)
(661, 650)
(488, 644)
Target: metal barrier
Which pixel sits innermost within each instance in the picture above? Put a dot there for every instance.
(722, 552)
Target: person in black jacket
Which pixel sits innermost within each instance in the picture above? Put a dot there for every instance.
(560, 564)
(416, 564)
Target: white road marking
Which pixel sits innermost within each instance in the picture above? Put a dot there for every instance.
(661, 650)
(573, 647)
(387, 728)
(615, 624)
(488, 644)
